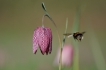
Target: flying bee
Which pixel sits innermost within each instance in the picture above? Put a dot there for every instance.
(77, 36)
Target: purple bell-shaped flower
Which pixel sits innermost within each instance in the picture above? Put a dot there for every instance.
(67, 56)
(42, 37)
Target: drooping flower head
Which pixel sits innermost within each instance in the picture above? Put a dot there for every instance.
(67, 56)
(42, 38)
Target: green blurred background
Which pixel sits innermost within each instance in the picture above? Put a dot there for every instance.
(19, 18)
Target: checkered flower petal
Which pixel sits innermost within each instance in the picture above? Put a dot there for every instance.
(50, 38)
(35, 40)
(43, 39)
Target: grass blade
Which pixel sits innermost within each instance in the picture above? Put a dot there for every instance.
(75, 28)
(96, 50)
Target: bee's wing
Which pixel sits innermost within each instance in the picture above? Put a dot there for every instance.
(68, 34)
(83, 32)
(82, 37)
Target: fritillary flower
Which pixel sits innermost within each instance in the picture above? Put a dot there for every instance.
(42, 38)
(67, 56)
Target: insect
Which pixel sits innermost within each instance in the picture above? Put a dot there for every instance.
(77, 36)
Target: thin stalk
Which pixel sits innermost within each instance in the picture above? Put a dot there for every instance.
(75, 43)
(43, 20)
(64, 38)
(65, 32)
(60, 60)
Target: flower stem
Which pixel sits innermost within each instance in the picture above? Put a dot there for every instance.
(43, 20)
(60, 60)
(65, 33)
(75, 28)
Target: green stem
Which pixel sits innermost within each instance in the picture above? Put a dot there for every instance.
(43, 20)
(75, 43)
(76, 57)
(60, 60)
(65, 32)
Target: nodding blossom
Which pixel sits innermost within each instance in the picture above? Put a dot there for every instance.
(67, 55)
(42, 38)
